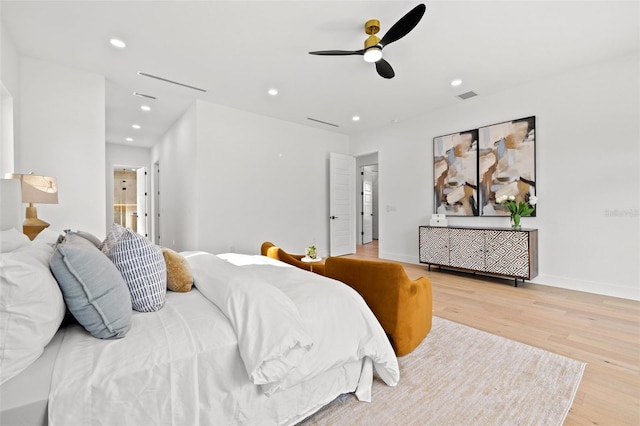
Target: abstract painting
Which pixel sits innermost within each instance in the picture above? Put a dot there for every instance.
(506, 164)
(455, 169)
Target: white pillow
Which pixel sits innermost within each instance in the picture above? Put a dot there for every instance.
(31, 307)
(11, 239)
(48, 236)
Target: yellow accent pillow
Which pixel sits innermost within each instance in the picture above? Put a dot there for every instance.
(179, 277)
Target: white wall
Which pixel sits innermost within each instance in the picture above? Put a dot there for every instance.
(179, 180)
(262, 179)
(588, 162)
(8, 108)
(248, 179)
(61, 133)
(118, 155)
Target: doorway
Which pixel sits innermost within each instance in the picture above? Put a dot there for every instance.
(369, 194)
(367, 199)
(130, 198)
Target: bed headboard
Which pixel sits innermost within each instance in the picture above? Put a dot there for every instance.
(11, 207)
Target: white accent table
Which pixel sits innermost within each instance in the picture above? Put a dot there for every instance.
(311, 261)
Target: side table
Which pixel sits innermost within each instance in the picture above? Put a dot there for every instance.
(311, 261)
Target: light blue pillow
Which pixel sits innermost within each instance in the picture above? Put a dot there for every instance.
(92, 238)
(93, 289)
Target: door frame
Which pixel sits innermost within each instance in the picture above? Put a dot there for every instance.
(366, 212)
(111, 192)
(367, 159)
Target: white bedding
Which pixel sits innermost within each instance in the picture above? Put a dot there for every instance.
(183, 364)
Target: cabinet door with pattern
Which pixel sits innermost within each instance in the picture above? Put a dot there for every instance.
(508, 253)
(434, 245)
(467, 249)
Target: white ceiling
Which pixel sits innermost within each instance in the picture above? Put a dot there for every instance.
(237, 50)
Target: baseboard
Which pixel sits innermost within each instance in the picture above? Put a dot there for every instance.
(398, 257)
(605, 289)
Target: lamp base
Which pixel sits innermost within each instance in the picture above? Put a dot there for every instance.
(32, 226)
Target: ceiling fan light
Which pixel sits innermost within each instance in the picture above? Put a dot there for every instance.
(373, 54)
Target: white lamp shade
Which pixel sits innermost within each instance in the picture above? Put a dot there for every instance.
(39, 189)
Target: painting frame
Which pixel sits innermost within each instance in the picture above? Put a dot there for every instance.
(506, 164)
(455, 172)
(474, 167)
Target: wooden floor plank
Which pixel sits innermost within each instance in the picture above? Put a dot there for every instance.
(602, 331)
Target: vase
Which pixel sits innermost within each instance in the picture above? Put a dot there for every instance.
(515, 221)
(311, 252)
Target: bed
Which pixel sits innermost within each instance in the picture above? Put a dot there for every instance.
(255, 341)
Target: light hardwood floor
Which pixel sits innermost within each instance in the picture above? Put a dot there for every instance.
(602, 331)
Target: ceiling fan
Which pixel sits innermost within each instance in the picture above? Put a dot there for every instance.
(373, 45)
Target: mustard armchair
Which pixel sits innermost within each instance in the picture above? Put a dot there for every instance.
(270, 250)
(403, 306)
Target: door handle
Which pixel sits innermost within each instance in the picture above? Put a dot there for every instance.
(333, 217)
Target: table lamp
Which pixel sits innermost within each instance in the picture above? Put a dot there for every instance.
(36, 189)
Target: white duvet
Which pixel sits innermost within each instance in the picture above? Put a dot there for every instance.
(260, 343)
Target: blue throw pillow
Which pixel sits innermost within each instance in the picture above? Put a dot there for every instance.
(93, 289)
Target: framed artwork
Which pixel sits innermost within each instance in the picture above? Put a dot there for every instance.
(472, 168)
(506, 164)
(455, 169)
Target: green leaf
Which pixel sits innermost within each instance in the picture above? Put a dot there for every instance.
(527, 211)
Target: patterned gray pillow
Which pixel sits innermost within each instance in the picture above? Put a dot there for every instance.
(142, 266)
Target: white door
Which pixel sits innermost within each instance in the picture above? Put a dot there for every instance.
(367, 207)
(142, 202)
(156, 203)
(342, 221)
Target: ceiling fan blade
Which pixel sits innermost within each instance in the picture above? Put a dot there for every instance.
(384, 69)
(338, 52)
(404, 25)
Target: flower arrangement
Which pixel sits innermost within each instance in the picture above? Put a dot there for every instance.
(311, 252)
(517, 210)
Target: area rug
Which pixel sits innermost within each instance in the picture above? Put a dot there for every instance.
(463, 376)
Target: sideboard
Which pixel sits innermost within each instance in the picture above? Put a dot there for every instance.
(504, 252)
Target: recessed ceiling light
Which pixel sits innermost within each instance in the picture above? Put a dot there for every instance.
(129, 139)
(273, 91)
(136, 126)
(145, 108)
(118, 43)
(356, 118)
(457, 82)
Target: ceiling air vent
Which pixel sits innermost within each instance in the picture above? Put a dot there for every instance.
(142, 95)
(322, 122)
(467, 95)
(166, 80)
